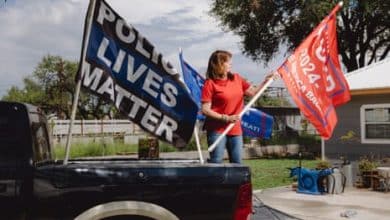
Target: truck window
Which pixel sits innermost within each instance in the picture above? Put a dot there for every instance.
(41, 144)
(14, 132)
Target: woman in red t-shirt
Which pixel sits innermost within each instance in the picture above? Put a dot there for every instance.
(222, 101)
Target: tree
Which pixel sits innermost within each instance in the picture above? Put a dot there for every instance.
(264, 26)
(268, 101)
(51, 87)
(31, 93)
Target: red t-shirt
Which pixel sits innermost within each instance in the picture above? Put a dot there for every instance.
(226, 97)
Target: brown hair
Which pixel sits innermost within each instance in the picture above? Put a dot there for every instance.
(216, 61)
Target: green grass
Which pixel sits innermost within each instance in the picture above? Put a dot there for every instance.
(268, 173)
(95, 149)
(100, 149)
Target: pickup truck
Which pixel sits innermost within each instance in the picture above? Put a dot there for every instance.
(35, 186)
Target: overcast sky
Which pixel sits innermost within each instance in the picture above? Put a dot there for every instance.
(31, 29)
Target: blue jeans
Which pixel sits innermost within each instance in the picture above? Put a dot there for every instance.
(233, 144)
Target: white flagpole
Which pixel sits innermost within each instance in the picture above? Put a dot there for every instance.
(78, 85)
(322, 148)
(197, 141)
(196, 134)
(72, 117)
(246, 108)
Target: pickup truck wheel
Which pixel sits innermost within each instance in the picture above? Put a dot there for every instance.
(120, 209)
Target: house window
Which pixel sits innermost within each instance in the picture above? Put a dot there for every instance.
(375, 123)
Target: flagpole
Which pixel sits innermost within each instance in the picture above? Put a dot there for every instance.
(266, 84)
(78, 85)
(322, 148)
(197, 141)
(341, 3)
(72, 117)
(196, 128)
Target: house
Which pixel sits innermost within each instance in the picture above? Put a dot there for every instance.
(363, 126)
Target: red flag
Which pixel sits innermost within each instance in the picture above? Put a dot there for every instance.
(314, 78)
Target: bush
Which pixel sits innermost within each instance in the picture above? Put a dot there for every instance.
(278, 139)
(191, 146)
(94, 149)
(304, 140)
(165, 147)
(365, 164)
(247, 140)
(323, 164)
(309, 140)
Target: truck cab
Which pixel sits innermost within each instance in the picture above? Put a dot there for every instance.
(24, 143)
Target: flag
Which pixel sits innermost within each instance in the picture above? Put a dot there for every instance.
(194, 82)
(314, 78)
(257, 124)
(254, 123)
(120, 65)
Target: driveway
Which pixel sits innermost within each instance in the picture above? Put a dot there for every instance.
(357, 203)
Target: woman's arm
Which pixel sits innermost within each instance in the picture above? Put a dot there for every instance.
(206, 110)
(253, 89)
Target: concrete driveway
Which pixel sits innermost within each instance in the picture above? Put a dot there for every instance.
(353, 203)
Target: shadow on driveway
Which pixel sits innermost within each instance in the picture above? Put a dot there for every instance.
(264, 212)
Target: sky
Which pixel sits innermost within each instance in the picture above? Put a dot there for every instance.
(32, 29)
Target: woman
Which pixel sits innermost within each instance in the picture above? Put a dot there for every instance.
(222, 101)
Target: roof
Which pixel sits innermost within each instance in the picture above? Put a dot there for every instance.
(375, 77)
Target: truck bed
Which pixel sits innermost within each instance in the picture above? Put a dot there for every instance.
(185, 187)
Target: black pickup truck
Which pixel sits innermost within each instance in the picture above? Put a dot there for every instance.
(35, 186)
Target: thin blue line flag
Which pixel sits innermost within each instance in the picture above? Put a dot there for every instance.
(121, 66)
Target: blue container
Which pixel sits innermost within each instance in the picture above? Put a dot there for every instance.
(308, 180)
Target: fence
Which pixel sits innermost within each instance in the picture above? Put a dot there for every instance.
(83, 130)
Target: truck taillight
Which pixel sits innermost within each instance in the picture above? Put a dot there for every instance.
(243, 203)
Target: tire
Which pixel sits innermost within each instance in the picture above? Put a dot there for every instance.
(121, 209)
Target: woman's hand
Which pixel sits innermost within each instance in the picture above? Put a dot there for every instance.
(253, 89)
(232, 118)
(206, 110)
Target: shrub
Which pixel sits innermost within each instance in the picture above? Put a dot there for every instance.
(365, 164)
(323, 164)
(309, 140)
(278, 139)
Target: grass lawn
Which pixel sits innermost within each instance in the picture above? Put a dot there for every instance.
(268, 173)
(100, 149)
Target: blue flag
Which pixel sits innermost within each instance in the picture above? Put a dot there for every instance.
(194, 82)
(256, 123)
